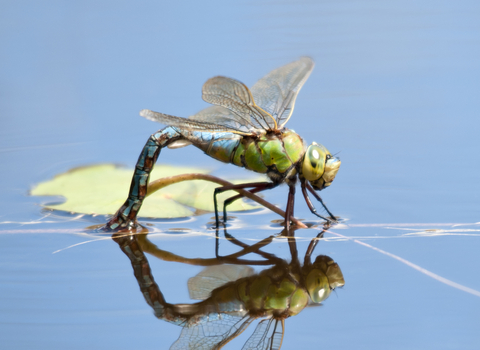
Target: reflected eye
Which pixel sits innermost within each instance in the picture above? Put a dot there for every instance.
(314, 162)
(317, 286)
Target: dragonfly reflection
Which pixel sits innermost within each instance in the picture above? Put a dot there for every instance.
(232, 295)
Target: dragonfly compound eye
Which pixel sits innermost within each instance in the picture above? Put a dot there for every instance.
(331, 168)
(317, 286)
(314, 162)
(331, 269)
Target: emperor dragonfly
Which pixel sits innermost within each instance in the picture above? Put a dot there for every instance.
(246, 128)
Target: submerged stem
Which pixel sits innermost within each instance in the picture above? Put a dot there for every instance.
(167, 181)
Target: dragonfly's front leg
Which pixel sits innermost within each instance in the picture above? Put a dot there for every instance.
(126, 216)
(313, 243)
(249, 249)
(258, 186)
(310, 205)
(290, 206)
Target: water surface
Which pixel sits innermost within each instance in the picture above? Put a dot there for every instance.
(395, 91)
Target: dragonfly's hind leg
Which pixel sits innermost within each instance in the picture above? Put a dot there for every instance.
(126, 216)
(310, 205)
(257, 187)
(313, 244)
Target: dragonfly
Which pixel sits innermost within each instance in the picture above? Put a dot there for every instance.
(244, 127)
(232, 295)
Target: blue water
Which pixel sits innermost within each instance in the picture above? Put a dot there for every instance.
(395, 91)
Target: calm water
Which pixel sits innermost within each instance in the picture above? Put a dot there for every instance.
(395, 91)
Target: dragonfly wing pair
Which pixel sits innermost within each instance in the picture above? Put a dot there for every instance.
(267, 106)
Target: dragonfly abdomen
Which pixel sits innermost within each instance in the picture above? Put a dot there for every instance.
(220, 146)
(127, 214)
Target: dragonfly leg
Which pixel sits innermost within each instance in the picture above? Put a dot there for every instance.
(313, 243)
(256, 247)
(126, 216)
(306, 186)
(238, 196)
(290, 205)
(260, 186)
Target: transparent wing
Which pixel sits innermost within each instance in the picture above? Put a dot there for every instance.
(266, 336)
(188, 124)
(221, 116)
(276, 92)
(211, 333)
(267, 106)
(237, 98)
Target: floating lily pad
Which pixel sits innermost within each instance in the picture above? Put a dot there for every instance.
(102, 189)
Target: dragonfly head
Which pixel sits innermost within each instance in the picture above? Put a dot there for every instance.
(319, 166)
(323, 276)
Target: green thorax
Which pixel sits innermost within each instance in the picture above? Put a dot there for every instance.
(264, 294)
(270, 152)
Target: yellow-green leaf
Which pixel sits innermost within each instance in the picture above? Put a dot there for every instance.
(102, 189)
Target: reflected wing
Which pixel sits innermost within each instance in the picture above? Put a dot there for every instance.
(189, 124)
(266, 336)
(276, 92)
(237, 98)
(211, 333)
(201, 286)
